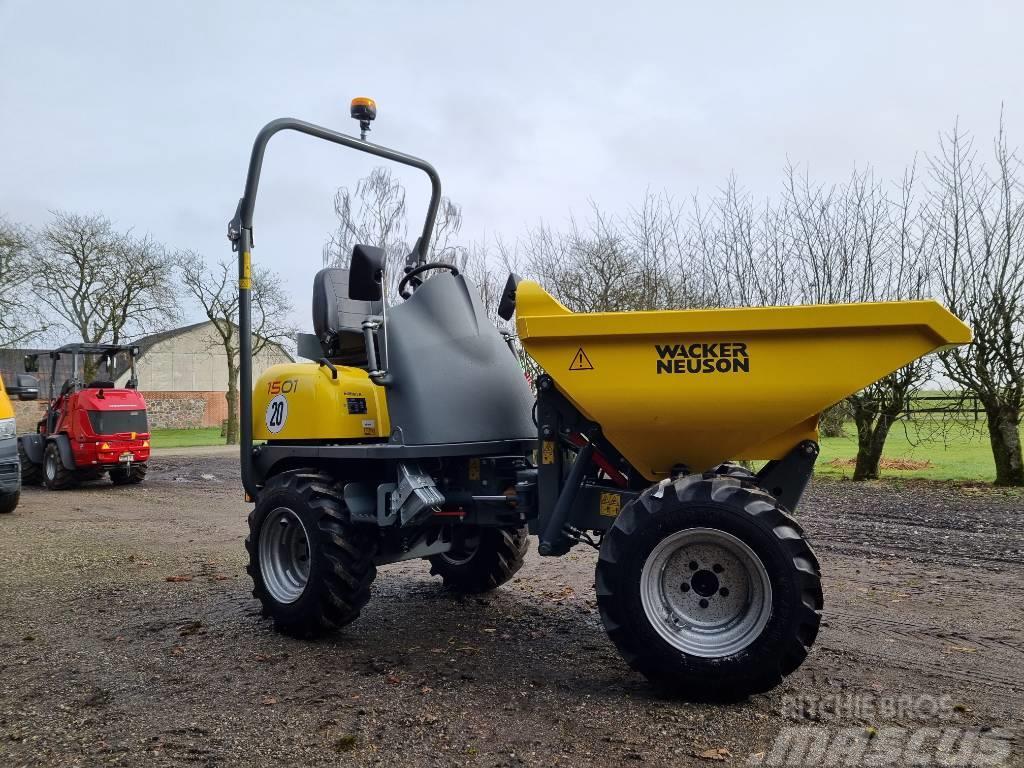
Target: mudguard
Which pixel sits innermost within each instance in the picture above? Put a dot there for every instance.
(33, 446)
(64, 447)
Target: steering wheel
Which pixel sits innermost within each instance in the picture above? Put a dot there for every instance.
(414, 273)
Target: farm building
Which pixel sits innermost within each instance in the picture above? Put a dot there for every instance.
(183, 374)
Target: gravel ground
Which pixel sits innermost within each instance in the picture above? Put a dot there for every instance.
(129, 637)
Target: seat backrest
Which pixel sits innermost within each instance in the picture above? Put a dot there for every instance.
(101, 384)
(337, 319)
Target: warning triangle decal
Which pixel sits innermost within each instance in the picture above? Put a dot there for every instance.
(581, 362)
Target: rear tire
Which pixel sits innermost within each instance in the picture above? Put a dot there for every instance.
(56, 476)
(129, 476)
(311, 569)
(31, 473)
(482, 559)
(8, 502)
(672, 622)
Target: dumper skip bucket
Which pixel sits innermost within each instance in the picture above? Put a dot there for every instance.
(698, 387)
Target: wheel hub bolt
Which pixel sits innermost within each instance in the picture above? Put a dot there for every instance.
(703, 603)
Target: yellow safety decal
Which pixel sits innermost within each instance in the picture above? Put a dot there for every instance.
(245, 281)
(547, 455)
(610, 505)
(474, 469)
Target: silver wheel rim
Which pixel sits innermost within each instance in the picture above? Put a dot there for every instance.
(284, 555)
(705, 592)
(464, 552)
(51, 466)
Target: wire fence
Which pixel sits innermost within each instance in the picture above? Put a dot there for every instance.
(948, 405)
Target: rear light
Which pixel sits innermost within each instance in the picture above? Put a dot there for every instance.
(7, 428)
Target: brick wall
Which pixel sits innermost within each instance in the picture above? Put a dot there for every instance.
(167, 410)
(186, 410)
(175, 412)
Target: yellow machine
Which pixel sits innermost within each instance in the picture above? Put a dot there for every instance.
(414, 433)
(26, 388)
(305, 401)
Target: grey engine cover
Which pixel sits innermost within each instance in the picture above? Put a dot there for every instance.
(454, 379)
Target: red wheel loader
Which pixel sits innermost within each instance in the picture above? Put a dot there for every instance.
(90, 428)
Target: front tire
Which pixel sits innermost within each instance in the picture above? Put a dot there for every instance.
(311, 569)
(708, 588)
(31, 473)
(481, 559)
(56, 476)
(131, 475)
(8, 502)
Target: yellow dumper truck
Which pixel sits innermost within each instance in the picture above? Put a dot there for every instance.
(27, 388)
(414, 433)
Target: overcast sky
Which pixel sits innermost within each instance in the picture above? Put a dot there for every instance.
(146, 111)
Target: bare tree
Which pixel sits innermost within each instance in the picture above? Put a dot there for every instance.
(609, 263)
(371, 214)
(20, 319)
(374, 213)
(854, 243)
(821, 244)
(102, 285)
(739, 251)
(978, 216)
(216, 291)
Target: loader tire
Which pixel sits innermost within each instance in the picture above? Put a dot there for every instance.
(132, 475)
(8, 502)
(31, 473)
(311, 568)
(708, 588)
(482, 559)
(56, 476)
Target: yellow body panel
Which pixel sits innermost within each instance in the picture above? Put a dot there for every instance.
(300, 401)
(6, 409)
(698, 387)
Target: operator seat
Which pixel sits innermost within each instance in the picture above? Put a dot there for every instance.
(101, 384)
(337, 319)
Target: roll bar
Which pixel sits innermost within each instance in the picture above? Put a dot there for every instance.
(78, 351)
(241, 237)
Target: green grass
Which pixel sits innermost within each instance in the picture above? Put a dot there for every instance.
(185, 438)
(964, 455)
